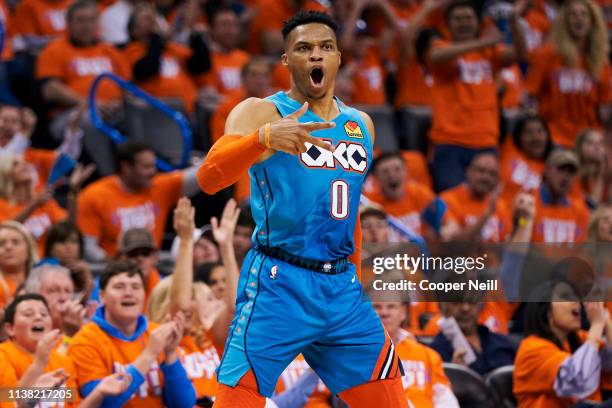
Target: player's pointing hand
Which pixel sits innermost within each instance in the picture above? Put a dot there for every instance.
(288, 135)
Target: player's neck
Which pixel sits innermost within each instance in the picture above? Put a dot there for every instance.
(326, 108)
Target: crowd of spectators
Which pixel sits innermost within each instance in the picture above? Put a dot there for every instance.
(108, 287)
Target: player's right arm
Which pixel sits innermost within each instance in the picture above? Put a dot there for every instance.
(245, 142)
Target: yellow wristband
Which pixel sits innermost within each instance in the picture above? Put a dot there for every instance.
(267, 134)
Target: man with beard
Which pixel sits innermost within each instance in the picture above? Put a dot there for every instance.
(475, 205)
(558, 218)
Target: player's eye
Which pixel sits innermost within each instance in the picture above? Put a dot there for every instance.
(302, 48)
(327, 46)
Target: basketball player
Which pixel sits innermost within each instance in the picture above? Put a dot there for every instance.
(307, 154)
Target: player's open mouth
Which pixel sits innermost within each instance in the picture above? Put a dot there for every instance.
(316, 77)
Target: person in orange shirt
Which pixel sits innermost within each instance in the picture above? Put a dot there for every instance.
(37, 211)
(366, 52)
(424, 381)
(119, 339)
(557, 364)
(403, 199)
(475, 205)
(207, 317)
(161, 67)
(523, 157)
(17, 257)
(66, 69)
(465, 105)
(19, 202)
(569, 77)
(265, 29)
(31, 348)
(55, 284)
(558, 218)
(141, 199)
(16, 127)
(595, 178)
(40, 21)
(227, 59)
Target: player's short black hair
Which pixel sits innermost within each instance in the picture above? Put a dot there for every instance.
(115, 268)
(308, 17)
(11, 309)
(385, 156)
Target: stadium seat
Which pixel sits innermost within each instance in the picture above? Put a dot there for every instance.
(149, 124)
(469, 387)
(415, 122)
(500, 381)
(382, 116)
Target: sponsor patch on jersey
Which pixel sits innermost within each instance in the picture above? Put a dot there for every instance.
(353, 130)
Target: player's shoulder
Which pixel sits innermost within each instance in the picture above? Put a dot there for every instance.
(249, 115)
(367, 120)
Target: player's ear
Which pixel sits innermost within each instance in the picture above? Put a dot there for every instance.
(284, 60)
(339, 58)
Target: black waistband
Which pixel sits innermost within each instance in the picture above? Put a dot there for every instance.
(326, 267)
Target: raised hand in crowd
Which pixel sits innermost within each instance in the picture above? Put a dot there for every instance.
(73, 314)
(45, 345)
(523, 216)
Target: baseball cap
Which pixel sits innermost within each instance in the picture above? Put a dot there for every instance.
(136, 238)
(562, 157)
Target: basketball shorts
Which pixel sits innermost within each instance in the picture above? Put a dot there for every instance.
(283, 310)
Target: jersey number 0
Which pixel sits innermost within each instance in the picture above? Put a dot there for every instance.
(339, 203)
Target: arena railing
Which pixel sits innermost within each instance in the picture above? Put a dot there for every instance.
(116, 136)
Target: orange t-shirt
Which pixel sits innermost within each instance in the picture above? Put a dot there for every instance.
(43, 162)
(107, 219)
(200, 366)
(319, 397)
(535, 369)
(173, 80)
(568, 98)
(41, 17)
(8, 379)
(39, 222)
(560, 223)
(518, 173)
(225, 73)
(77, 67)
(369, 80)
(96, 355)
(464, 95)
(537, 26)
(19, 360)
(512, 79)
(409, 210)
(422, 370)
(269, 16)
(466, 210)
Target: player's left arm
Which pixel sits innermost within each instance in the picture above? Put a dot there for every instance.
(356, 257)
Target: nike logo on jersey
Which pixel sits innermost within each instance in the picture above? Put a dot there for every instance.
(348, 155)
